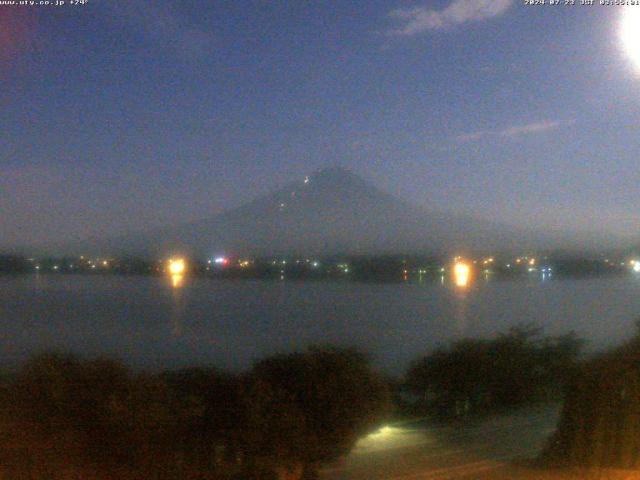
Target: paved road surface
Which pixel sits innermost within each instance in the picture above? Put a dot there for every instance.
(418, 451)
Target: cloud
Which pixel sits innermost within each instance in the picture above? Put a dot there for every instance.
(418, 20)
(472, 137)
(514, 131)
(530, 128)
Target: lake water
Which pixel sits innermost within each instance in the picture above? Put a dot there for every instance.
(149, 323)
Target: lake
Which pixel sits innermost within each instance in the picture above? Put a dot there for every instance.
(151, 323)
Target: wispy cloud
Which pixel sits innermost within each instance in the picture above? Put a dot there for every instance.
(417, 20)
(530, 128)
(514, 131)
(472, 137)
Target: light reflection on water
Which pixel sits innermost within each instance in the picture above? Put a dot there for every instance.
(178, 305)
(150, 323)
(460, 312)
(177, 280)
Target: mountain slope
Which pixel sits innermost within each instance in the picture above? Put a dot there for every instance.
(331, 211)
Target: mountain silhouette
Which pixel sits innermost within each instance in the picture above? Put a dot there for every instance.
(328, 212)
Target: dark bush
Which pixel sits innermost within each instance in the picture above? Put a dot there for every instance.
(206, 404)
(69, 412)
(62, 417)
(479, 376)
(330, 395)
(600, 420)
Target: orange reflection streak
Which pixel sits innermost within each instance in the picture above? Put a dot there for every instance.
(177, 280)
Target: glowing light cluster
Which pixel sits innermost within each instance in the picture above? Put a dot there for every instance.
(461, 274)
(221, 261)
(177, 266)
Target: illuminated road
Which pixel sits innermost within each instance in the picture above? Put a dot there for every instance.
(415, 451)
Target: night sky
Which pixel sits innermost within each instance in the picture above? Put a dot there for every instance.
(117, 116)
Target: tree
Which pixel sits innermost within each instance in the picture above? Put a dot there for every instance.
(600, 421)
(80, 413)
(478, 375)
(326, 397)
(69, 418)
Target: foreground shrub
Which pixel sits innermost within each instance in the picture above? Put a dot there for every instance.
(600, 420)
(65, 418)
(478, 376)
(65, 413)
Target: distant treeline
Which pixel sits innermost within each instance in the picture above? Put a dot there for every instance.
(14, 264)
(576, 266)
(378, 268)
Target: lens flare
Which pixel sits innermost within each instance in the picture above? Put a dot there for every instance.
(630, 33)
